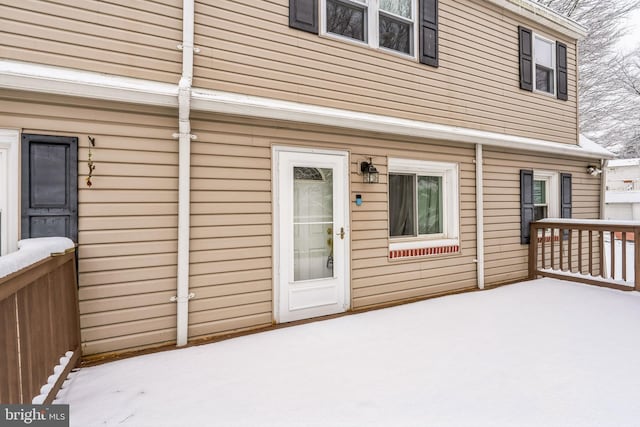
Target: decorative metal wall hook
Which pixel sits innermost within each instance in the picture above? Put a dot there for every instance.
(92, 167)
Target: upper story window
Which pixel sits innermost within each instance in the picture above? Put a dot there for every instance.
(385, 24)
(405, 27)
(543, 64)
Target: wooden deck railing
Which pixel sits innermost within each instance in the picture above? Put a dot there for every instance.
(39, 325)
(577, 250)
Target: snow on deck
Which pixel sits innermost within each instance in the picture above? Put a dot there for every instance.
(542, 353)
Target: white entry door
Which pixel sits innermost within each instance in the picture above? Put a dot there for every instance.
(312, 220)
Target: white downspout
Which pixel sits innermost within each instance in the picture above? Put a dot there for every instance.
(479, 217)
(184, 171)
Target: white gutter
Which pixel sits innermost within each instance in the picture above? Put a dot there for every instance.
(543, 15)
(184, 172)
(479, 217)
(65, 81)
(253, 106)
(31, 77)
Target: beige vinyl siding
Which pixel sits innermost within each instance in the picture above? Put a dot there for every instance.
(231, 234)
(505, 258)
(247, 47)
(131, 38)
(127, 219)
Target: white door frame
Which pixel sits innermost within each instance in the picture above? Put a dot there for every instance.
(9, 190)
(276, 150)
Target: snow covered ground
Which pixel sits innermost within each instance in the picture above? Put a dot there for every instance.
(542, 353)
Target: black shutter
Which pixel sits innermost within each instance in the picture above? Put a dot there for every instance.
(303, 15)
(49, 186)
(526, 59)
(565, 195)
(561, 63)
(526, 204)
(429, 32)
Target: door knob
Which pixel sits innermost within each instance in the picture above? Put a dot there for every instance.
(341, 233)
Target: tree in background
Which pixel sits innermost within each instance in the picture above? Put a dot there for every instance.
(609, 107)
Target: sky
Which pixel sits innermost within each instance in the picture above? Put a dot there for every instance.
(632, 39)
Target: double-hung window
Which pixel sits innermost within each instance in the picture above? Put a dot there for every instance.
(544, 53)
(543, 64)
(385, 24)
(546, 197)
(423, 203)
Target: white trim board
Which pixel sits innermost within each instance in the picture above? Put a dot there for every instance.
(9, 149)
(65, 81)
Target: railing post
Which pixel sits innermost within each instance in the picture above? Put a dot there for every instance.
(533, 251)
(636, 257)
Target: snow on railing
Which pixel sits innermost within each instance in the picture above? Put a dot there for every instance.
(39, 308)
(31, 251)
(595, 252)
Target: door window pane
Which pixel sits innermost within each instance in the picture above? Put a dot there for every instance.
(401, 205)
(395, 34)
(313, 226)
(430, 205)
(346, 19)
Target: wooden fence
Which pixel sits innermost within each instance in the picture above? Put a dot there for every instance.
(576, 250)
(39, 324)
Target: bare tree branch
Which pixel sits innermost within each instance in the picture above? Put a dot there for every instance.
(609, 83)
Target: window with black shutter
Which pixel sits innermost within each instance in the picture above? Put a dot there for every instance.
(542, 63)
(396, 24)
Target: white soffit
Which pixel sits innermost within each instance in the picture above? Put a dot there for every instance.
(63, 81)
(543, 16)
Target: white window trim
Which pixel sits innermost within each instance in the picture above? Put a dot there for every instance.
(9, 180)
(371, 32)
(451, 205)
(553, 191)
(554, 66)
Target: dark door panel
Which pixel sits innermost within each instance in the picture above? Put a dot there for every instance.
(49, 186)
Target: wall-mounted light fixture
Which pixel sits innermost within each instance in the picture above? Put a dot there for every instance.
(370, 174)
(594, 170)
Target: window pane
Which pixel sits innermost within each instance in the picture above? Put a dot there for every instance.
(398, 7)
(395, 34)
(345, 19)
(429, 204)
(539, 192)
(544, 53)
(544, 79)
(401, 205)
(539, 212)
(312, 223)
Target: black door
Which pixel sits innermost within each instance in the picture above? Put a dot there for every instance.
(49, 186)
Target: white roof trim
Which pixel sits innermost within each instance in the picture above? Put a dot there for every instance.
(543, 16)
(244, 105)
(64, 81)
